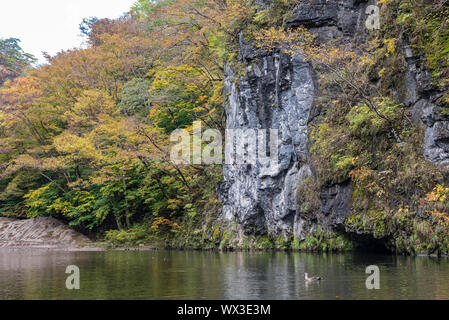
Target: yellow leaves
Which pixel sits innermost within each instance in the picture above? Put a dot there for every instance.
(290, 42)
(202, 99)
(441, 218)
(391, 46)
(372, 181)
(21, 91)
(60, 206)
(75, 145)
(174, 76)
(90, 105)
(302, 42)
(154, 111)
(367, 60)
(36, 194)
(403, 211)
(437, 201)
(95, 101)
(174, 204)
(217, 96)
(55, 163)
(382, 72)
(438, 194)
(160, 221)
(79, 184)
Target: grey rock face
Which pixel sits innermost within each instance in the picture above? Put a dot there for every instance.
(436, 142)
(343, 17)
(423, 99)
(314, 14)
(278, 92)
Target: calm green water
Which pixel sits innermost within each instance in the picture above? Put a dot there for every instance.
(189, 275)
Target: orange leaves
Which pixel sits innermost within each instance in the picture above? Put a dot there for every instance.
(437, 202)
(69, 106)
(20, 91)
(123, 52)
(438, 194)
(371, 181)
(362, 174)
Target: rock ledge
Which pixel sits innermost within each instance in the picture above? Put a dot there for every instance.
(46, 233)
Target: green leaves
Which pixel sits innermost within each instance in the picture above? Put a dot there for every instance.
(178, 96)
(45, 201)
(13, 59)
(135, 97)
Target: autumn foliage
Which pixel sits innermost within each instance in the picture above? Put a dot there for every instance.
(85, 137)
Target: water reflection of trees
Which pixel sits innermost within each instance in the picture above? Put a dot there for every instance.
(211, 275)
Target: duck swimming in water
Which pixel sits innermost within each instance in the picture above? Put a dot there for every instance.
(313, 279)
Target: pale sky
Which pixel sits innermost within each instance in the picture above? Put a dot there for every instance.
(53, 25)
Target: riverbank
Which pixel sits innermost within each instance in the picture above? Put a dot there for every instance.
(49, 234)
(46, 233)
(43, 233)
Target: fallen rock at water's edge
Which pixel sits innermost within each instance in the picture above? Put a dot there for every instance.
(41, 232)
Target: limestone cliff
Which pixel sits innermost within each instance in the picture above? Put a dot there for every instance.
(280, 92)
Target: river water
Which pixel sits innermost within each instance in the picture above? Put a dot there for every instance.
(191, 275)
